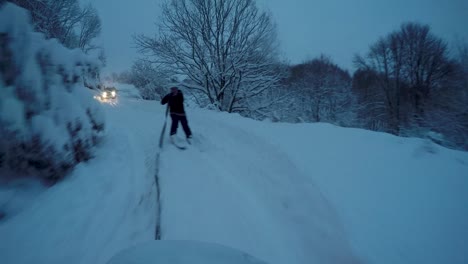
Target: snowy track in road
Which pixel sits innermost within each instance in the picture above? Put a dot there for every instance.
(237, 190)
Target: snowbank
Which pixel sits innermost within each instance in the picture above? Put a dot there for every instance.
(105, 205)
(48, 120)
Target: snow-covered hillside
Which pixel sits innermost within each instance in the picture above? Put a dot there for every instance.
(284, 193)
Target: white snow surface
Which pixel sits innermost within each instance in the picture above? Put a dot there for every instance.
(104, 206)
(283, 193)
(127, 90)
(182, 252)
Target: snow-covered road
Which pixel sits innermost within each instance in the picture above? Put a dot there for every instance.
(304, 193)
(236, 189)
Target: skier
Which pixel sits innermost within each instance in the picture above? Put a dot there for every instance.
(175, 99)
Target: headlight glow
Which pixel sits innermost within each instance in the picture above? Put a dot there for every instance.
(104, 94)
(113, 93)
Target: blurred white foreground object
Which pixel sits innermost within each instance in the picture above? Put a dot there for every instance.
(182, 252)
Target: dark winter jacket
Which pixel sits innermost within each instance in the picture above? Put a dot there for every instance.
(176, 102)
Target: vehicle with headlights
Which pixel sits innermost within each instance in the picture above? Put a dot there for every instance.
(108, 93)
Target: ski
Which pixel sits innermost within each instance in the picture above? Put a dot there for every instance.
(179, 147)
(173, 142)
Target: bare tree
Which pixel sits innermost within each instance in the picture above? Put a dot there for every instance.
(458, 103)
(64, 20)
(322, 92)
(149, 80)
(88, 29)
(462, 51)
(273, 102)
(409, 63)
(370, 107)
(227, 48)
(410, 85)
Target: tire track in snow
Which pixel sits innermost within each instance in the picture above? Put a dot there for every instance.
(157, 234)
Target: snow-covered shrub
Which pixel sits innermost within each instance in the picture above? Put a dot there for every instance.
(48, 120)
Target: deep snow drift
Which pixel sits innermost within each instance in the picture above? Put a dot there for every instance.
(284, 193)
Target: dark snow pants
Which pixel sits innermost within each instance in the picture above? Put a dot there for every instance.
(176, 118)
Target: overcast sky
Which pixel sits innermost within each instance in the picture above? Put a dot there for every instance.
(307, 28)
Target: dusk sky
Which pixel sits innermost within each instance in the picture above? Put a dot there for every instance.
(307, 28)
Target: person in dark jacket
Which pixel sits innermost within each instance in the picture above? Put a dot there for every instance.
(175, 99)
